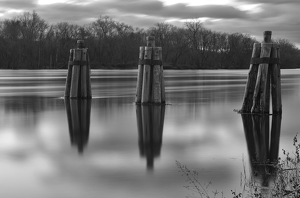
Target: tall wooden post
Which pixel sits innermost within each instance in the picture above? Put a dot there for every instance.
(78, 83)
(156, 82)
(276, 82)
(69, 75)
(75, 81)
(163, 97)
(139, 86)
(252, 75)
(261, 100)
(150, 82)
(257, 98)
(147, 76)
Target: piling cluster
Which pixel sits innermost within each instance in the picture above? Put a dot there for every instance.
(78, 83)
(263, 78)
(150, 82)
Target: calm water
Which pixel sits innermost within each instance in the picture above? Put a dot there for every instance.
(54, 148)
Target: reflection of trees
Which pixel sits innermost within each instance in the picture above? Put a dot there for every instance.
(78, 113)
(150, 122)
(29, 106)
(262, 149)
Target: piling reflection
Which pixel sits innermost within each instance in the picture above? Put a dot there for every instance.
(150, 122)
(262, 147)
(78, 113)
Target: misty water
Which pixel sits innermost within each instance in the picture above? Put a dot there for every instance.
(109, 147)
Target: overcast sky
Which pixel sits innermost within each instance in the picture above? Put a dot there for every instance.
(248, 16)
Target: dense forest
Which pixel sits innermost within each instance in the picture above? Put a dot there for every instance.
(29, 42)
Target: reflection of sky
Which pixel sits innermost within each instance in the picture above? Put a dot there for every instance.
(36, 155)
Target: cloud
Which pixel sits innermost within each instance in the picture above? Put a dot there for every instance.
(17, 4)
(282, 20)
(152, 8)
(272, 1)
(211, 11)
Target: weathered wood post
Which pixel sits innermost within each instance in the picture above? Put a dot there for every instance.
(150, 82)
(147, 76)
(276, 82)
(78, 83)
(264, 69)
(261, 98)
(139, 86)
(163, 97)
(252, 75)
(156, 80)
(69, 75)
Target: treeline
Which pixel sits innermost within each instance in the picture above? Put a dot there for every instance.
(29, 42)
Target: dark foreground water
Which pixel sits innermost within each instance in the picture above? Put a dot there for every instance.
(109, 147)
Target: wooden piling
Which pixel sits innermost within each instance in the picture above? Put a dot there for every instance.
(261, 98)
(75, 82)
(276, 82)
(156, 82)
(139, 86)
(251, 81)
(78, 83)
(150, 41)
(267, 78)
(146, 98)
(83, 73)
(69, 74)
(163, 97)
(88, 76)
(150, 82)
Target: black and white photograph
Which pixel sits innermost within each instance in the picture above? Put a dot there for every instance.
(149, 98)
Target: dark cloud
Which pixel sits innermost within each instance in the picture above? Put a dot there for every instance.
(65, 12)
(138, 21)
(18, 4)
(211, 11)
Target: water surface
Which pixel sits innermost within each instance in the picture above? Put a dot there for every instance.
(109, 147)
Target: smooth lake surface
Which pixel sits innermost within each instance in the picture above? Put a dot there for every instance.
(56, 148)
